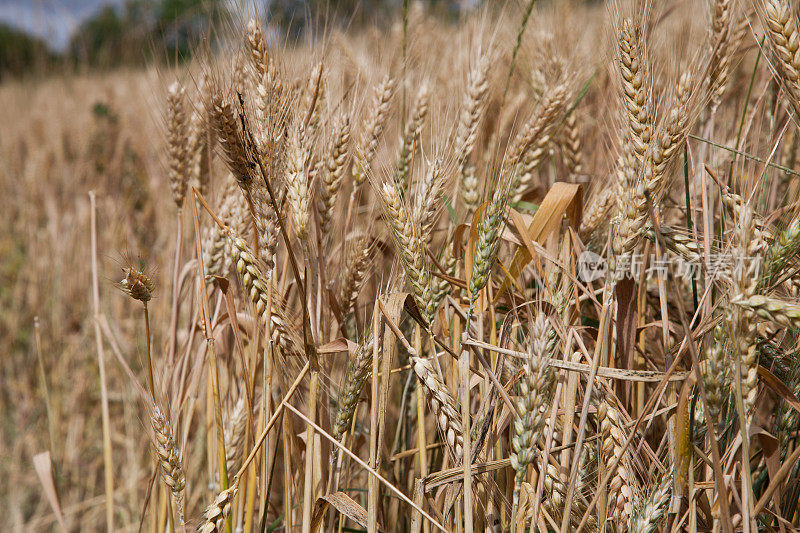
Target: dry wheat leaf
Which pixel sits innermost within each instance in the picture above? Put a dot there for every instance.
(44, 470)
(344, 504)
(562, 199)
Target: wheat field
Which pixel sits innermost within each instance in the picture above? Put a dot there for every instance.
(531, 268)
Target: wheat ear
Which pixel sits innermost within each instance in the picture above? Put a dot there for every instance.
(257, 45)
(197, 143)
(255, 284)
(531, 144)
(235, 429)
(634, 92)
(669, 138)
(571, 149)
(782, 312)
(411, 135)
(620, 489)
(354, 273)
(467, 131)
(630, 200)
(267, 228)
(217, 512)
(177, 143)
(410, 247)
(427, 199)
(722, 42)
(535, 389)
(781, 25)
(781, 251)
(169, 458)
(649, 515)
(489, 230)
(297, 181)
(332, 171)
(216, 260)
(359, 369)
(372, 131)
(231, 140)
(597, 212)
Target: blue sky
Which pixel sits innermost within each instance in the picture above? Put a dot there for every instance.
(52, 20)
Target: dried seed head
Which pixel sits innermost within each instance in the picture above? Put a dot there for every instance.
(782, 312)
(267, 227)
(258, 46)
(469, 188)
(570, 142)
(427, 199)
(531, 145)
(441, 403)
(137, 283)
(256, 286)
(780, 22)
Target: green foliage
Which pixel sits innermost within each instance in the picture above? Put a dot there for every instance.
(144, 30)
(19, 52)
